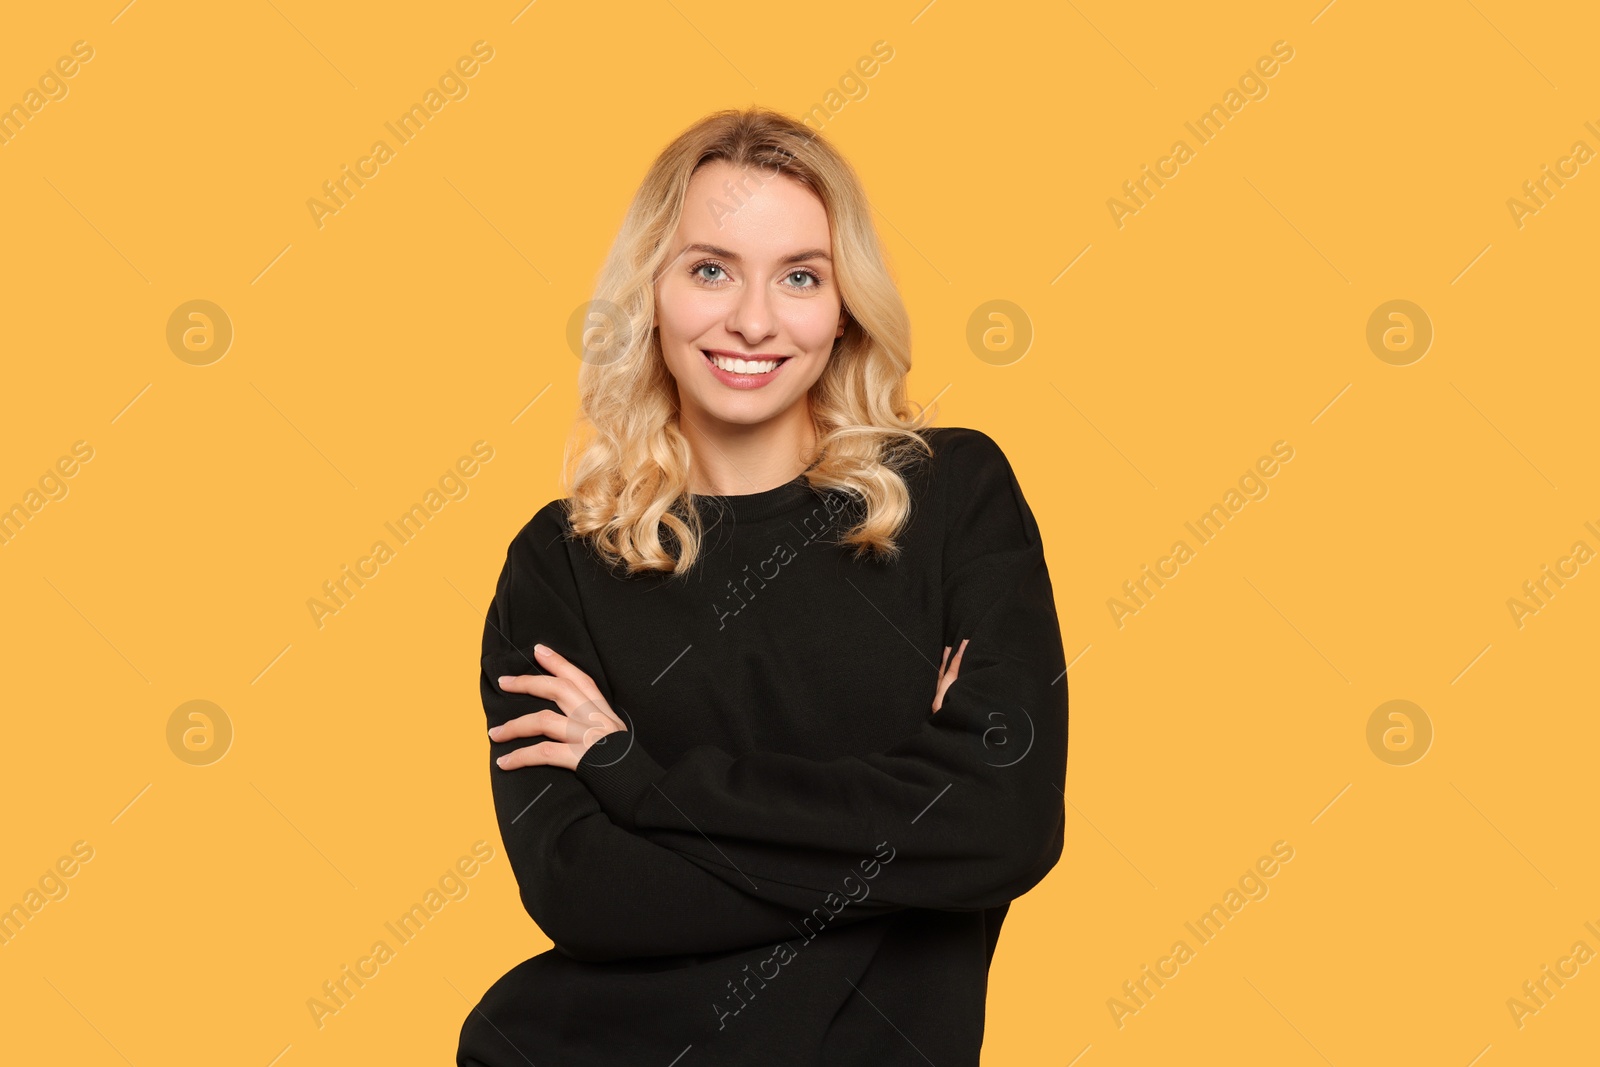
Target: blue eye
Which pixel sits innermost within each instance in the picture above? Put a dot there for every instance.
(710, 264)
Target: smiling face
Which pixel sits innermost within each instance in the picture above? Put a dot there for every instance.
(750, 285)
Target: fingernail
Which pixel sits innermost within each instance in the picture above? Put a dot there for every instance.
(540, 650)
(501, 763)
(503, 679)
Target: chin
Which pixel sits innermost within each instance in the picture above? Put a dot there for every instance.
(752, 414)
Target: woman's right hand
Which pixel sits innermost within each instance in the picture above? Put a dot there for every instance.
(947, 675)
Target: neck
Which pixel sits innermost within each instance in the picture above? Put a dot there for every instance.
(735, 460)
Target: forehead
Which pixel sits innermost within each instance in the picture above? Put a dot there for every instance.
(753, 212)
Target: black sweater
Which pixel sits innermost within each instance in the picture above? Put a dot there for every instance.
(788, 857)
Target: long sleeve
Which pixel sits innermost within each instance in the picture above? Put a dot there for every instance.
(967, 811)
(598, 891)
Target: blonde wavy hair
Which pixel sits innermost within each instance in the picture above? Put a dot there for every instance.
(629, 481)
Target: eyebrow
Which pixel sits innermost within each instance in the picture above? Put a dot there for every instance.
(795, 257)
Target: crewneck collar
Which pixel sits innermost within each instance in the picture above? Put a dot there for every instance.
(754, 507)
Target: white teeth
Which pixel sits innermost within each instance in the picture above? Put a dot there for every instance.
(743, 366)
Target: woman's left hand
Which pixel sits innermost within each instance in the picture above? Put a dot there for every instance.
(588, 716)
(948, 672)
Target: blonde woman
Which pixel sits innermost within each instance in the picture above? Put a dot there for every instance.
(762, 812)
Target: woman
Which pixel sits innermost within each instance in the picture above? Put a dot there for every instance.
(759, 824)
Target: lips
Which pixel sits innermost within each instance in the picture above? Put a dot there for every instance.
(744, 379)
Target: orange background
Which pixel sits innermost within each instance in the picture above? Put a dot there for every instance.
(1166, 355)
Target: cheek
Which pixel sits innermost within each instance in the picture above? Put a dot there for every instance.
(813, 325)
(685, 315)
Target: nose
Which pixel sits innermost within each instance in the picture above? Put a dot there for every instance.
(751, 315)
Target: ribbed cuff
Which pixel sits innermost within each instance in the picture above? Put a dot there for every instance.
(618, 771)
